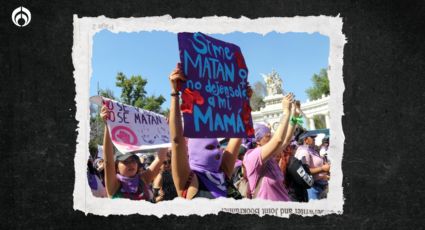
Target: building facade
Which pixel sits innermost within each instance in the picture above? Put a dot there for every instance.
(271, 113)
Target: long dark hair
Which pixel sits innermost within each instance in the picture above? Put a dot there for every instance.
(90, 167)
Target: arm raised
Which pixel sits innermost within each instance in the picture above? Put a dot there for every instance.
(111, 182)
(179, 157)
(149, 175)
(276, 142)
(230, 155)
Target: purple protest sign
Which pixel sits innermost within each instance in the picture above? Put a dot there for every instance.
(214, 98)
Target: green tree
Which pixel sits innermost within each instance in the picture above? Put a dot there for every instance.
(166, 112)
(320, 85)
(107, 93)
(96, 123)
(96, 130)
(133, 93)
(259, 92)
(319, 122)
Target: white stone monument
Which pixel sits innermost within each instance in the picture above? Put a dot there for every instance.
(273, 83)
(272, 112)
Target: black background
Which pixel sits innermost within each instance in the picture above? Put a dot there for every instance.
(383, 105)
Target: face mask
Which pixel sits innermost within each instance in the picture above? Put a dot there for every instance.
(205, 154)
(205, 158)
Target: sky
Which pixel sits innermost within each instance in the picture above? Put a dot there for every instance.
(153, 55)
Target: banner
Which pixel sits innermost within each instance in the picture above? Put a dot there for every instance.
(132, 129)
(214, 98)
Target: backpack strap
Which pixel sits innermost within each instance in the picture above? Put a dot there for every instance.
(257, 185)
(249, 194)
(245, 178)
(186, 187)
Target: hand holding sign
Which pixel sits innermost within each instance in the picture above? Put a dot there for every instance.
(176, 77)
(132, 128)
(249, 91)
(104, 113)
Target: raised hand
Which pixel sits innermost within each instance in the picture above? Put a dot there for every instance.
(287, 101)
(162, 154)
(104, 113)
(296, 108)
(175, 77)
(249, 91)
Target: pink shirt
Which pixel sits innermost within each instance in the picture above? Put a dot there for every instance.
(310, 157)
(272, 185)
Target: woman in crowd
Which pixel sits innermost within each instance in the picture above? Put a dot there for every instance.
(95, 182)
(323, 149)
(297, 175)
(200, 167)
(163, 185)
(318, 168)
(265, 178)
(122, 179)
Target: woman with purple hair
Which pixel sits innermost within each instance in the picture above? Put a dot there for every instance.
(199, 167)
(265, 178)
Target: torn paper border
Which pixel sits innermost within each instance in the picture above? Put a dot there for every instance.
(84, 30)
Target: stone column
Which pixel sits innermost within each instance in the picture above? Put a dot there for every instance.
(327, 120)
(311, 123)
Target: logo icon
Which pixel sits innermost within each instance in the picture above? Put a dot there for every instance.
(123, 135)
(21, 16)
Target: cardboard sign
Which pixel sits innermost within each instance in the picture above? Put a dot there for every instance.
(214, 97)
(132, 129)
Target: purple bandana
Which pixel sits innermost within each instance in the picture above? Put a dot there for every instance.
(129, 184)
(206, 163)
(260, 131)
(92, 181)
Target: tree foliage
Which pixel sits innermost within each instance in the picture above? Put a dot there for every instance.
(107, 93)
(319, 121)
(133, 93)
(96, 130)
(320, 85)
(96, 123)
(259, 92)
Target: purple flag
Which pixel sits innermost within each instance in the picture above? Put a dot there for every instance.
(214, 98)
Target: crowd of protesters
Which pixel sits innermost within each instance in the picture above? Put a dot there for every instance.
(283, 166)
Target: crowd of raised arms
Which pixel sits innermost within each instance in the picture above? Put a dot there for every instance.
(284, 166)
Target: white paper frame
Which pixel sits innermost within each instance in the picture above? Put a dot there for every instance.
(84, 30)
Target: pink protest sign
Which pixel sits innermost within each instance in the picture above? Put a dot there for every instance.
(132, 128)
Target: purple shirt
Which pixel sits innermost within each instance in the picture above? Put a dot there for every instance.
(272, 186)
